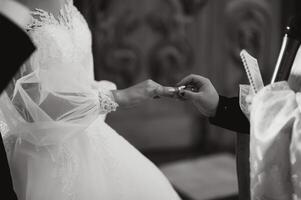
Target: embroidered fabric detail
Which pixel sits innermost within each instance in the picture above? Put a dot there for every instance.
(65, 17)
(3, 128)
(107, 105)
(9, 142)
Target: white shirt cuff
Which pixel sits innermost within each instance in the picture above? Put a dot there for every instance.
(16, 12)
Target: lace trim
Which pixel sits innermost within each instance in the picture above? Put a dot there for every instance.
(64, 18)
(9, 141)
(3, 128)
(107, 105)
(245, 90)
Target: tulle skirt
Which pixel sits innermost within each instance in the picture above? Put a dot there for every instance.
(96, 164)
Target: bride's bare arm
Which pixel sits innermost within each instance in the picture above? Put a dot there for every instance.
(141, 92)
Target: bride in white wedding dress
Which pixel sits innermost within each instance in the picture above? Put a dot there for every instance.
(52, 120)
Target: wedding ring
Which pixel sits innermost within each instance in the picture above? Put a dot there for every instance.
(181, 88)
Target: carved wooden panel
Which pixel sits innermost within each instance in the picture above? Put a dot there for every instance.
(224, 28)
(168, 39)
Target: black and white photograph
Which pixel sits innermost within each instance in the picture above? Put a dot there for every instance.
(150, 99)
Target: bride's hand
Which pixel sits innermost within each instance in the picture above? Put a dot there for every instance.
(139, 93)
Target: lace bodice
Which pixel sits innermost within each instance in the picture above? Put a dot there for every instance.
(66, 39)
(56, 86)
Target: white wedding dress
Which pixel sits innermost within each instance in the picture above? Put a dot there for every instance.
(52, 119)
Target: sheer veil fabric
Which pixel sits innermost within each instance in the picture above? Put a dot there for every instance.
(275, 144)
(52, 120)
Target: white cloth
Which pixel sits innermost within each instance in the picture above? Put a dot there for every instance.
(16, 12)
(244, 91)
(275, 144)
(58, 145)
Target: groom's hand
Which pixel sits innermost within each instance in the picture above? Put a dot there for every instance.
(203, 95)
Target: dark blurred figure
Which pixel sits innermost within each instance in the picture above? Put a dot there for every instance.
(15, 48)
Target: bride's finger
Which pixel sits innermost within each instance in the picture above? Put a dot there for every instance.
(166, 91)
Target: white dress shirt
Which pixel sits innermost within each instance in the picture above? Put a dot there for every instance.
(15, 11)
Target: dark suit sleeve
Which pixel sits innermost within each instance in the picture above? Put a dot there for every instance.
(15, 48)
(230, 116)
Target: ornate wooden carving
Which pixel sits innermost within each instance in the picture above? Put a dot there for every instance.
(191, 7)
(248, 26)
(169, 60)
(114, 24)
(139, 39)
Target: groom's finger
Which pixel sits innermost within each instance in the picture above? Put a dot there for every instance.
(188, 95)
(193, 80)
(185, 81)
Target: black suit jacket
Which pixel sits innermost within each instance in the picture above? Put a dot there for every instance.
(230, 116)
(15, 48)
